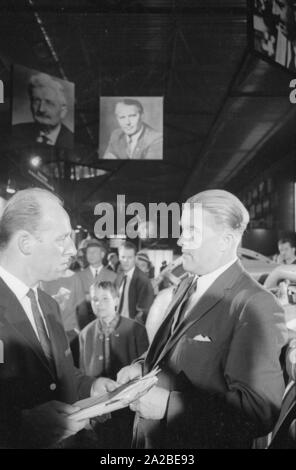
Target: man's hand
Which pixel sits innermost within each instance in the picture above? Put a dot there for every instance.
(153, 404)
(102, 385)
(129, 373)
(47, 424)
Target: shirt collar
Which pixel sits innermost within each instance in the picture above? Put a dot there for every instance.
(135, 137)
(130, 273)
(94, 270)
(211, 277)
(18, 287)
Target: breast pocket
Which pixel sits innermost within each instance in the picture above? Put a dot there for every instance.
(201, 360)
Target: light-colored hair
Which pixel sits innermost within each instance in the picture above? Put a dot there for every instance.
(24, 212)
(228, 211)
(42, 80)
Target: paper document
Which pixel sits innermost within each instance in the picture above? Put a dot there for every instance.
(119, 398)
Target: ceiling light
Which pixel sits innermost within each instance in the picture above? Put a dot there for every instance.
(36, 161)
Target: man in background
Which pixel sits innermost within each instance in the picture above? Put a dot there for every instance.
(135, 139)
(135, 288)
(285, 12)
(49, 109)
(286, 246)
(95, 253)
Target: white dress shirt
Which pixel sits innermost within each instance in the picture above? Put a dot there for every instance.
(96, 271)
(132, 142)
(20, 290)
(125, 307)
(204, 283)
(51, 136)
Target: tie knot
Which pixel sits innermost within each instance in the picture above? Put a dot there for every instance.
(193, 286)
(31, 294)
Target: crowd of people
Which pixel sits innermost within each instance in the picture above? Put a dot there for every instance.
(216, 334)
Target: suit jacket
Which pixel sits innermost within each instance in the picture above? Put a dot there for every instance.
(88, 279)
(128, 341)
(221, 367)
(26, 133)
(149, 145)
(140, 294)
(26, 380)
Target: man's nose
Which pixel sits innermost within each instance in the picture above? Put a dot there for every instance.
(71, 248)
(41, 106)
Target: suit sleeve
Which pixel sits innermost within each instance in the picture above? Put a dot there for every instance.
(141, 339)
(253, 377)
(155, 149)
(145, 297)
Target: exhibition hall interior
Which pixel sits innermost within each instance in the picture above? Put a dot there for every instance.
(124, 110)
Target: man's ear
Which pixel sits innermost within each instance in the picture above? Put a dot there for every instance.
(116, 303)
(227, 240)
(25, 242)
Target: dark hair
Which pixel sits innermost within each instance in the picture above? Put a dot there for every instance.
(23, 212)
(131, 102)
(106, 285)
(288, 239)
(128, 246)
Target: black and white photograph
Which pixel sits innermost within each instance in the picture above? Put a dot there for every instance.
(42, 109)
(274, 23)
(131, 128)
(148, 267)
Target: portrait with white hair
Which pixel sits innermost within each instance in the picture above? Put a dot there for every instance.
(42, 109)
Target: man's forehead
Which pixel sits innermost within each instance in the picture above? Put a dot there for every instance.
(192, 214)
(54, 215)
(126, 251)
(122, 108)
(47, 92)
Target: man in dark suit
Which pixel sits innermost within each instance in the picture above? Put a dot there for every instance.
(49, 109)
(135, 288)
(95, 272)
(134, 139)
(38, 382)
(218, 348)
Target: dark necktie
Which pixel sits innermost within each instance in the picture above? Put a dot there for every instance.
(42, 333)
(129, 147)
(292, 65)
(180, 312)
(123, 283)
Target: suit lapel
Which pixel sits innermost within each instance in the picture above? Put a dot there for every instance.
(207, 302)
(163, 333)
(18, 320)
(51, 327)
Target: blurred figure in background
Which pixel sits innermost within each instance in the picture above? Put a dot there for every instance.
(95, 252)
(135, 289)
(286, 246)
(113, 262)
(106, 345)
(159, 308)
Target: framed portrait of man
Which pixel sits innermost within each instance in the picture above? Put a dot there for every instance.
(42, 109)
(131, 128)
(273, 30)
